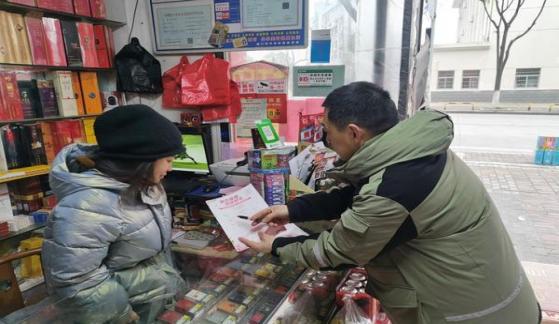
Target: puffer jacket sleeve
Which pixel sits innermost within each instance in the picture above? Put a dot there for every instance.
(322, 205)
(77, 240)
(360, 235)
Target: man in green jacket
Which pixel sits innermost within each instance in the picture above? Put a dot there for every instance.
(412, 213)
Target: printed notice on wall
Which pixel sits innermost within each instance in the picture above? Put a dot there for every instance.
(270, 13)
(186, 26)
(315, 78)
(202, 26)
(252, 110)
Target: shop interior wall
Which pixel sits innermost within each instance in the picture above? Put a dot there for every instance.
(124, 10)
(365, 51)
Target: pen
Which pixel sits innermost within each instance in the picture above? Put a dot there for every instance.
(242, 217)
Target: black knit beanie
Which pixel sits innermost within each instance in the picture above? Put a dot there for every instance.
(136, 132)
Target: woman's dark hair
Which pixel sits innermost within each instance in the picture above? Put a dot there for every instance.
(138, 174)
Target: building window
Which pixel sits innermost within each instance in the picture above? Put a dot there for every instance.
(527, 78)
(470, 79)
(445, 80)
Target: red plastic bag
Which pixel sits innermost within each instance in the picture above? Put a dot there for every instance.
(171, 85)
(352, 314)
(302, 310)
(231, 111)
(205, 82)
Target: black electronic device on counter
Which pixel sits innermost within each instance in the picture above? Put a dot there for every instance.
(191, 172)
(185, 185)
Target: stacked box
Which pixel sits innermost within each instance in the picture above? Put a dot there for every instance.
(40, 216)
(23, 146)
(27, 195)
(257, 181)
(272, 185)
(65, 95)
(547, 151)
(28, 203)
(269, 173)
(49, 201)
(6, 212)
(4, 228)
(66, 132)
(31, 266)
(276, 187)
(36, 145)
(19, 222)
(271, 159)
(48, 141)
(88, 130)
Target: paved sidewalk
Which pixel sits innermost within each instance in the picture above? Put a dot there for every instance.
(527, 196)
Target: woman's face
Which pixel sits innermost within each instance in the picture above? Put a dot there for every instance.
(161, 167)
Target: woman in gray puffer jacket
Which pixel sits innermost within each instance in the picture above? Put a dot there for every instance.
(106, 249)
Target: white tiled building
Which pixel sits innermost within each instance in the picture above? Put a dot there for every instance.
(464, 72)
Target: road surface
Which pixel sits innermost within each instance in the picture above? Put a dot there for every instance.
(502, 132)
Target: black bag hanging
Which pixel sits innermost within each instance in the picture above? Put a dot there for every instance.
(137, 70)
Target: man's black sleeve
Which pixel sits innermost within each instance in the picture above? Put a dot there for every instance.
(321, 205)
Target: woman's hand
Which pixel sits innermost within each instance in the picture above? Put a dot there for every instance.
(265, 244)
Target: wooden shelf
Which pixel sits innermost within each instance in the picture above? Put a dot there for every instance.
(23, 9)
(22, 173)
(32, 67)
(23, 231)
(34, 120)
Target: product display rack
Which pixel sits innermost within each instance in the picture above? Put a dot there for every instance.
(33, 120)
(11, 241)
(23, 9)
(22, 173)
(33, 67)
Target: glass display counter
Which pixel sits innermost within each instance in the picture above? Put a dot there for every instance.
(250, 288)
(223, 286)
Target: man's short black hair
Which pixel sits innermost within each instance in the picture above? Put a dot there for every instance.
(364, 104)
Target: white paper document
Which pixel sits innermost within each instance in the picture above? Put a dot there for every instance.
(259, 14)
(187, 24)
(252, 111)
(245, 202)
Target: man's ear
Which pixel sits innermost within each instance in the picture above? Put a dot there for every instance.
(359, 133)
(356, 131)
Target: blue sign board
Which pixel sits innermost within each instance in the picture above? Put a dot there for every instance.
(320, 46)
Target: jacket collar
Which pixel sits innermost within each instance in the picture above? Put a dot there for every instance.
(152, 196)
(427, 133)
